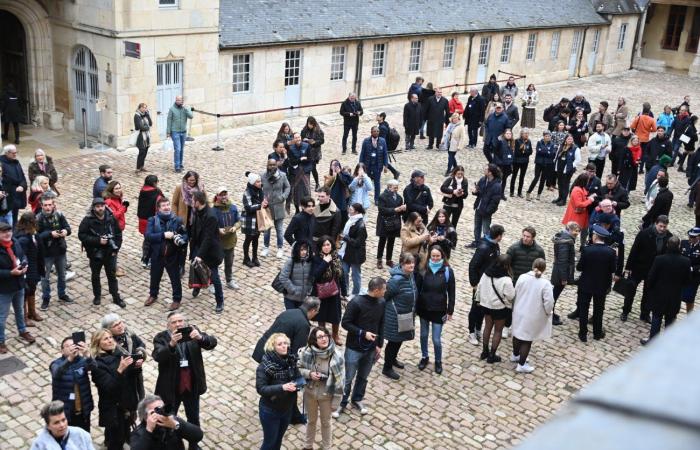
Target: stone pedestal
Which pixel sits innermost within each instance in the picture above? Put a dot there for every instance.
(53, 120)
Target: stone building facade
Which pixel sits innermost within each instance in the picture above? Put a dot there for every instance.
(228, 56)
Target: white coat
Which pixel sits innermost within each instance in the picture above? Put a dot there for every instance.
(533, 308)
(487, 297)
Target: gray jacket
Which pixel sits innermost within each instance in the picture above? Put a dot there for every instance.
(296, 279)
(276, 188)
(177, 119)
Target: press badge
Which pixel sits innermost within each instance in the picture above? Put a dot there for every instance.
(71, 396)
(374, 155)
(184, 363)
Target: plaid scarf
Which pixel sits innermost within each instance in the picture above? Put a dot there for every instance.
(307, 360)
(280, 369)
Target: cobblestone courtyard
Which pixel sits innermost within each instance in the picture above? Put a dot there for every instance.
(472, 405)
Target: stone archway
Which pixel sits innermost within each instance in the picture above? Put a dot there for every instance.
(39, 55)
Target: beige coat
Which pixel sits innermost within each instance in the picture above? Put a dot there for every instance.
(533, 308)
(178, 204)
(458, 139)
(621, 116)
(487, 297)
(413, 241)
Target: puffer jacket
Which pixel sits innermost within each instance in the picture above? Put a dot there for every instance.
(401, 294)
(296, 276)
(564, 258)
(33, 252)
(522, 257)
(65, 375)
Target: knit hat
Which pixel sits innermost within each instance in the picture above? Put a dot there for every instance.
(98, 201)
(253, 177)
(665, 160)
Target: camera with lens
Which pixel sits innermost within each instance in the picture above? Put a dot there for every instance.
(110, 242)
(163, 410)
(179, 240)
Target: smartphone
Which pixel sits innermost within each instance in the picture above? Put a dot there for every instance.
(136, 356)
(78, 336)
(185, 331)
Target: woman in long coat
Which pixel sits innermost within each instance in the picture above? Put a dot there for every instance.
(411, 123)
(142, 124)
(577, 208)
(43, 165)
(390, 207)
(532, 313)
(401, 294)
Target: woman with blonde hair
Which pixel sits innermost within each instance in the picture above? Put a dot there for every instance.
(454, 139)
(532, 313)
(40, 186)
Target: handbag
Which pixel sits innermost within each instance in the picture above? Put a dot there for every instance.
(391, 223)
(624, 286)
(199, 275)
(277, 283)
(405, 321)
(264, 219)
(133, 137)
(327, 289)
(684, 137)
(168, 145)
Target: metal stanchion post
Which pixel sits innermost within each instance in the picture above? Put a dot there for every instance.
(218, 147)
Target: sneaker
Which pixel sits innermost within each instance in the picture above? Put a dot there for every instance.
(144, 264)
(69, 275)
(195, 292)
(211, 289)
(478, 335)
(514, 358)
(359, 406)
(556, 320)
(505, 333)
(472, 339)
(438, 367)
(232, 285)
(335, 414)
(44, 305)
(265, 251)
(644, 342)
(623, 317)
(280, 253)
(525, 368)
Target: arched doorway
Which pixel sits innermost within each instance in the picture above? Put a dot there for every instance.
(13, 60)
(86, 90)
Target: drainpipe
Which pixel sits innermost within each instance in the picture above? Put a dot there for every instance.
(580, 57)
(469, 63)
(358, 70)
(638, 36)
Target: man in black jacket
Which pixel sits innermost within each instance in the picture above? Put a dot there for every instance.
(597, 266)
(662, 203)
(437, 113)
(11, 112)
(101, 237)
(417, 196)
(659, 146)
(206, 245)
(52, 230)
(511, 111)
(160, 430)
(474, 115)
(364, 322)
(490, 89)
(614, 192)
(649, 243)
(328, 219)
(563, 268)
(181, 376)
(303, 224)
(580, 102)
(351, 110)
(618, 148)
(411, 121)
(485, 255)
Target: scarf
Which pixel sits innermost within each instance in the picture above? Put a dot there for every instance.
(307, 359)
(187, 192)
(352, 220)
(42, 166)
(8, 248)
(435, 266)
(280, 368)
(448, 136)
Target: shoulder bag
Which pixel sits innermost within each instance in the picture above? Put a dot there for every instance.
(405, 321)
(277, 283)
(684, 137)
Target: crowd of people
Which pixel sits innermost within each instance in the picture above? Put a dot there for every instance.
(322, 279)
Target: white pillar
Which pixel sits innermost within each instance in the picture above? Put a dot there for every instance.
(694, 69)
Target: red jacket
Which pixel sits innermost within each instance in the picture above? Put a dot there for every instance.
(118, 210)
(577, 209)
(636, 152)
(455, 106)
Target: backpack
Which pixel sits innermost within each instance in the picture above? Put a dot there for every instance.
(548, 113)
(392, 139)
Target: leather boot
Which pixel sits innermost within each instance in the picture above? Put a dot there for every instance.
(31, 303)
(27, 321)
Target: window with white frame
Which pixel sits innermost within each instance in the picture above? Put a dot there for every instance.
(241, 72)
(448, 54)
(484, 46)
(414, 57)
(554, 50)
(168, 3)
(531, 46)
(505, 49)
(596, 40)
(338, 63)
(378, 60)
(621, 37)
(292, 67)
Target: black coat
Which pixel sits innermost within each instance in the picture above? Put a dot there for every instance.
(437, 113)
(348, 107)
(10, 107)
(142, 123)
(618, 147)
(564, 265)
(300, 228)
(168, 359)
(269, 384)
(423, 98)
(418, 199)
(668, 275)
(364, 313)
(411, 118)
(513, 115)
(386, 213)
(583, 104)
(436, 291)
(448, 187)
(10, 283)
(90, 230)
(488, 197)
(12, 178)
(52, 246)
(597, 266)
(643, 252)
(294, 324)
(117, 393)
(484, 256)
(659, 147)
(165, 438)
(618, 194)
(488, 91)
(32, 250)
(661, 207)
(474, 111)
(356, 240)
(205, 239)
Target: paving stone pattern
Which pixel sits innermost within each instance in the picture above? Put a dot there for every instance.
(471, 405)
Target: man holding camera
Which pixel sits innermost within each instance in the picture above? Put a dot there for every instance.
(70, 383)
(181, 377)
(101, 236)
(167, 236)
(52, 230)
(160, 429)
(57, 433)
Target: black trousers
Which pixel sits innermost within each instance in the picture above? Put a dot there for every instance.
(118, 431)
(6, 129)
(453, 215)
(389, 243)
(543, 174)
(80, 420)
(583, 304)
(645, 308)
(563, 181)
(391, 353)
(599, 167)
(347, 127)
(173, 268)
(476, 316)
(435, 137)
(518, 169)
(505, 173)
(141, 158)
(410, 141)
(488, 152)
(473, 133)
(110, 265)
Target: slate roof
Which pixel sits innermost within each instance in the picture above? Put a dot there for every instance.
(246, 23)
(619, 6)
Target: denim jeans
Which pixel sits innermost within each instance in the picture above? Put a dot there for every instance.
(274, 425)
(179, 147)
(279, 233)
(676, 145)
(60, 263)
(16, 300)
(482, 224)
(437, 343)
(451, 160)
(291, 304)
(216, 281)
(356, 277)
(7, 218)
(360, 364)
